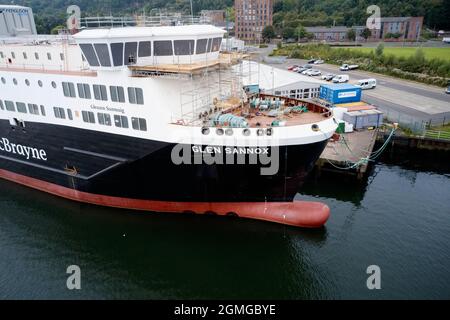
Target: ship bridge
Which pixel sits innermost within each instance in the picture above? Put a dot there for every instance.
(147, 48)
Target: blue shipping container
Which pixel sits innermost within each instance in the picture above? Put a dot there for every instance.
(340, 93)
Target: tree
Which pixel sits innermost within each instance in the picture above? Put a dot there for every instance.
(300, 32)
(288, 33)
(379, 50)
(366, 33)
(268, 33)
(351, 35)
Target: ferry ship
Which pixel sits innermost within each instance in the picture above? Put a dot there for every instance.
(141, 118)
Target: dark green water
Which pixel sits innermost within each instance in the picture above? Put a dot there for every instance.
(399, 220)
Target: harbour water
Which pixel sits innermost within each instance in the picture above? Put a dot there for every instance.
(399, 220)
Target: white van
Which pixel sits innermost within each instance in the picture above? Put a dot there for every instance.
(367, 83)
(341, 78)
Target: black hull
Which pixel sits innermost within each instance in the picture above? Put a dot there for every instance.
(120, 166)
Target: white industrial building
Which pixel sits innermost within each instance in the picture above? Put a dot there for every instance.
(16, 21)
(280, 82)
(232, 44)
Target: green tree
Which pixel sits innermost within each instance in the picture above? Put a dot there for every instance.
(288, 33)
(379, 50)
(351, 35)
(301, 32)
(366, 33)
(268, 33)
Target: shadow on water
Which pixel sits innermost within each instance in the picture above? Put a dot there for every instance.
(129, 254)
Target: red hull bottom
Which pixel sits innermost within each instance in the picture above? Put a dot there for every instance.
(297, 213)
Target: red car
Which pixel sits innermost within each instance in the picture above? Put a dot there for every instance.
(291, 68)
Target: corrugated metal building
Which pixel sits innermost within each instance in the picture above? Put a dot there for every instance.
(16, 20)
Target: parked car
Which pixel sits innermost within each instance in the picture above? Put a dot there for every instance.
(341, 78)
(313, 72)
(312, 61)
(307, 66)
(347, 67)
(291, 68)
(448, 88)
(319, 61)
(367, 83)
(300, 69)
(328, 76)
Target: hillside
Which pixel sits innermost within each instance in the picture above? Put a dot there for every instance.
(288, 13)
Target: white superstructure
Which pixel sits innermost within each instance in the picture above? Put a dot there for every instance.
(145, 82)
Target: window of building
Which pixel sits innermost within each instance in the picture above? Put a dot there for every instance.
(42, 110)
(36, 55)
(162, 48)
(120, 121)
(69, 89)
(89, 54)
(201, 46)
(135, 96)
(100, 92)
(88, 116)
(9, 105)
(117, 54)
(61, 56)
(25, 55)
(184, 47)
(49, 56)
(84, 91)
(117, 94)
(33, 108)
(103, 54)
(139, 124)
(130, 53)
(145, 49)
(59, 112)
(21, 107)
(104, 119)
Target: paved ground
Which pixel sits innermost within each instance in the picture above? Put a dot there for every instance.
(406, 100)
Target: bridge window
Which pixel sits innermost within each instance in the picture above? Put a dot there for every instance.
(103, 54)
(100, 92)
(139, 124)
(135, 96)
(216, 44)
(33, 108)
(9, 105)
(201, 46)
(117, 54)
(208, 49)
(21, 107)
(88, 116)
(130, 53)
(1, 105)
(84, 91)
(89, 54)
(43, 110)
(69, 114)
(121, 121)
(145, 49)
(117, 94)
(59, 113)
(69, 89)
(104, 119)
(162, 48)
(184, 47)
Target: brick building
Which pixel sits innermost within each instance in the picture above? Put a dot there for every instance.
(214, 17)
(398, 29)
(251, 16)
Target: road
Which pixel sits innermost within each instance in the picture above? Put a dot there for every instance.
(402, 100)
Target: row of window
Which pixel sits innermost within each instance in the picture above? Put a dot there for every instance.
(98, 54)
(87, 116)
(117, 93)
(36, 55)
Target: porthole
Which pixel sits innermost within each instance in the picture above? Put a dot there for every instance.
(27, 82)
(229, 132)
(205, 131)
(246, 132)
(219, 132)
(54, 84)
(15, 81)
(315, 127)
(40, 83)
(269, 132)
(3, 80)
(260, 132)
